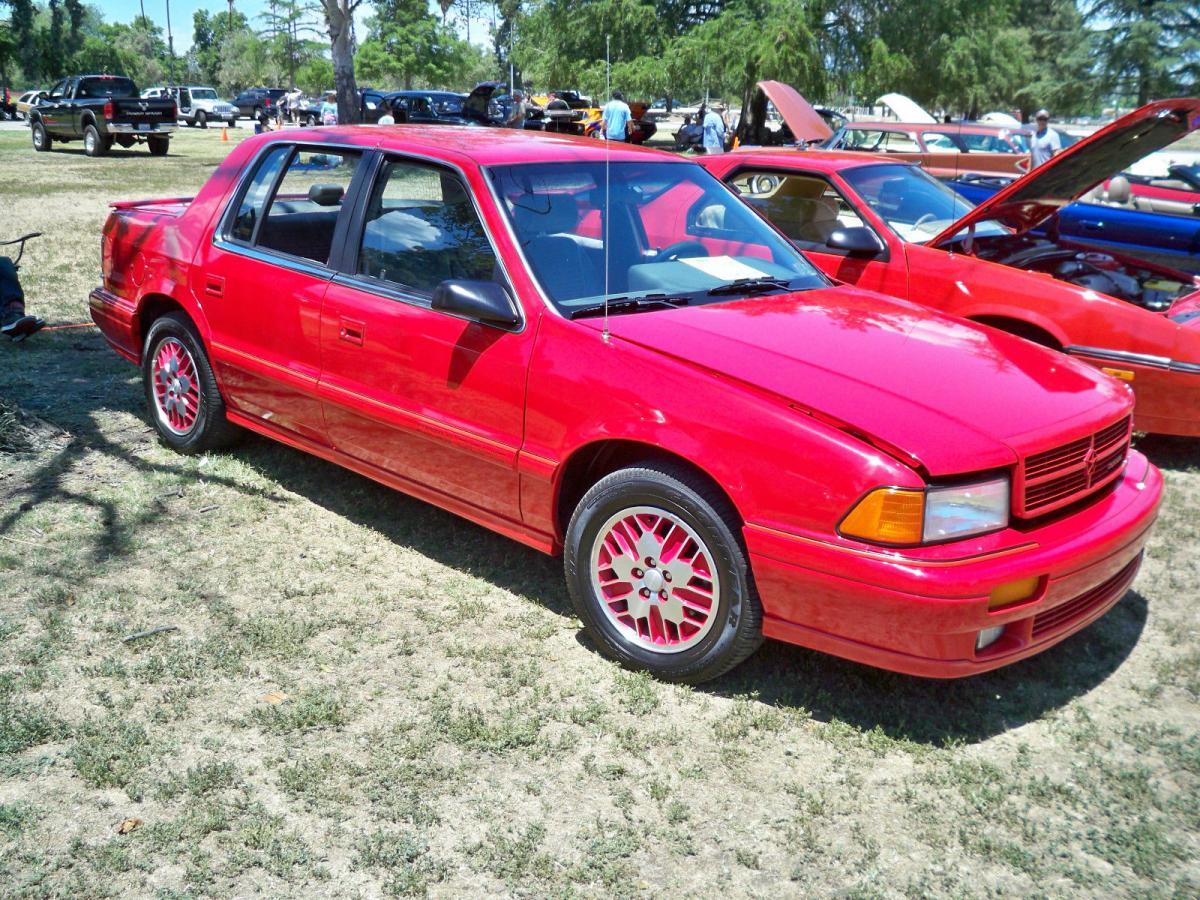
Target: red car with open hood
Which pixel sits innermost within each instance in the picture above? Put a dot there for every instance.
(555, 339)
(891, 227)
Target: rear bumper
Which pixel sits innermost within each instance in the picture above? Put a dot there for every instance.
(159, 128)
(921, 615)
(116, 318)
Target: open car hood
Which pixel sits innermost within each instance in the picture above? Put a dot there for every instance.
(798, 114)
(906, 109)
(1033, 198)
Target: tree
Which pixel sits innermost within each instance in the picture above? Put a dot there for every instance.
(407, 45)
(1148, 48)
(209, 35)
(23, 37)
(246, 61)
(339, 16)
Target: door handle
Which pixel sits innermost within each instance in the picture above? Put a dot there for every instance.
(351, 332)
(214, 286)
(1092, 226)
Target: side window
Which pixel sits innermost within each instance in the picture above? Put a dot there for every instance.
(303, 214)
(862, 139)
(421, 229)
(806, 208)
(901, 142)
(938, 142)
(58, 91)
(254, 198)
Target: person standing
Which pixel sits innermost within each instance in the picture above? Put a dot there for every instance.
(517, 111)
(329, 111)
(614, 122)
(1045, 141)
(714, 130)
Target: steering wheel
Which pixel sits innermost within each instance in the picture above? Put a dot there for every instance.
(928, 217)
(679, 250)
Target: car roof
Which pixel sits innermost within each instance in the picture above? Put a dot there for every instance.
(963, 127)
(482, 145)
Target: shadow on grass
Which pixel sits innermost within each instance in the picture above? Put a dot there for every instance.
(935, 711)
(1173, 453)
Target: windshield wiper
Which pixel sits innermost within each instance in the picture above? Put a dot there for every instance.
(624, 304)
(751, 286)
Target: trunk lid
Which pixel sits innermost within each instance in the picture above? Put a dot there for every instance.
(1033, 198)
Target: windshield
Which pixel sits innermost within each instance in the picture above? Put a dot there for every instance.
(106, 86)
(204, 94)
(673, 230)
(911, 202)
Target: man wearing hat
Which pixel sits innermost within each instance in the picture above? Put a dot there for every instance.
(1045, 141)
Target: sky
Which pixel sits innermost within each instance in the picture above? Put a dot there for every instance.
(181, 16)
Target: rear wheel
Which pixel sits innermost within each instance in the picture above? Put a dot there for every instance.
(158, 145)
(41, 140)
(181, 390)
(311, 120)
(658, 575)
(93, 143)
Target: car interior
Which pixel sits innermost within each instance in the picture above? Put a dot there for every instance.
(1119, 193)
(303, 214)
(807, 209)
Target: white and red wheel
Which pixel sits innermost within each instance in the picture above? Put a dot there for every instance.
(177, 396)
(656, 578)
(658, 574)
(181, 391)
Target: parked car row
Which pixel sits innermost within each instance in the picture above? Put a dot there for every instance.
(743, 397)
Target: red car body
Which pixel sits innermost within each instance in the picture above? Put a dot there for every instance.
(1156, 351)
(796, 405)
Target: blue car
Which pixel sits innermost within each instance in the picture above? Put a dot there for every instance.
(1168, 240)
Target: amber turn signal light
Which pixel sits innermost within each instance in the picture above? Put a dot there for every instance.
(1123, 374)
(1012, 592)
(887, 516)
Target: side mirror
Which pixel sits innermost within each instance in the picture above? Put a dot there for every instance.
(856, 241)
(482, 301)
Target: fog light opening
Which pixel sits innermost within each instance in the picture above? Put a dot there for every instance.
(987, 637)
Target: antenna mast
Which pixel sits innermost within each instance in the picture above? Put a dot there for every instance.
(607, 208)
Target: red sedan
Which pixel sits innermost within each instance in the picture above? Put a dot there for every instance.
(554, 339)
(892, 227)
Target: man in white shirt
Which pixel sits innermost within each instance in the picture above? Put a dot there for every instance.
(1045, 141)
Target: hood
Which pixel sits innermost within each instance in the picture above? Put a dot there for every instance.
(1033, 198)
(954, 397)
(798, 114)
(906, 109)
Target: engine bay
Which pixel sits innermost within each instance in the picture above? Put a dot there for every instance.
(1118, 277)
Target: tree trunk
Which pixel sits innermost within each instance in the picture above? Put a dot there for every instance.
(339, 15)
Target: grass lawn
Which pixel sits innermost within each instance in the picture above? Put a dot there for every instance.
(363, 695)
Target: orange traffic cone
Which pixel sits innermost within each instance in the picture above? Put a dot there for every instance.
(225, 135)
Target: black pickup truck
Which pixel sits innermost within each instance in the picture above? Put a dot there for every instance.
(101, 110)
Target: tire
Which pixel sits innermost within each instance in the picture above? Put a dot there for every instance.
(256, 113)
(663, 507)
(184, 401)
(158, 145)
(41, 140)
(311, 121)
(202, 118)
(93, 143)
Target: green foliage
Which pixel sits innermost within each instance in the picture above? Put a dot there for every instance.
(409, 47)
(1148, 50)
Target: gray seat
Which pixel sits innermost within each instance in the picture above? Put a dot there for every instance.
(546, 225)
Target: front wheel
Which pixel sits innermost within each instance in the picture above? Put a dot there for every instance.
(181, 390)
(202, 119)
(658, 575)
(158, 145)
(41, 140)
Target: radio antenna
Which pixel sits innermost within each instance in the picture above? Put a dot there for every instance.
(607, 208)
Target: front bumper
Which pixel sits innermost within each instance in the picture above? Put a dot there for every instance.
(920, 613)
(157, 128)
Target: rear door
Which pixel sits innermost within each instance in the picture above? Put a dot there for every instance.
(433, 399)
(262, 279)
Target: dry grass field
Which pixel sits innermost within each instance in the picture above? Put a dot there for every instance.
(363, 695)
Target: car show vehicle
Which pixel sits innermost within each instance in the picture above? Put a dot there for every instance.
(25, 102)
(101, 110)
(599, 350)
(427, 108)
(254, 103)
(1177, 192)
(196, 104)
(490, 103)
(891, 227)
(1109, 218)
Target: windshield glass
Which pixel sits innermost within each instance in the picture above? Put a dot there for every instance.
(911, 202)
(106, 86)
(672, 229)
(204, 94)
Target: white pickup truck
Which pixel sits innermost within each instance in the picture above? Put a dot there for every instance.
(197, 105)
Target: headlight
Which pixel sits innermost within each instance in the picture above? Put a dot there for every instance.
(910, 516)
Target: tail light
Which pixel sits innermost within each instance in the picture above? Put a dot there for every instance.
(108, 110)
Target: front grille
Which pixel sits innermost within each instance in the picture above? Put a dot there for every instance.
(1055, 478)
(1061, 616)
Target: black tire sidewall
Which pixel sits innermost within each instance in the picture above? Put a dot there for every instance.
(646, 487)
(211, 418)
(202, 119)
